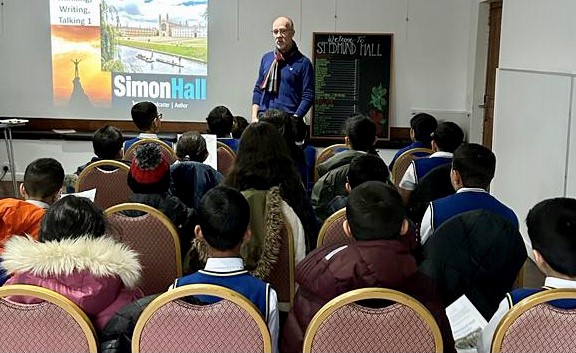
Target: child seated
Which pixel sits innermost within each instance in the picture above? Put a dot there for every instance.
(223, 219)
(422, 126)
(220, 121)
(41, 187)
(147, 120)
(76, 259)
(190, 177)
(239, 125)
(552, 229)
(149, 180)
(378, 258)
(107, 143)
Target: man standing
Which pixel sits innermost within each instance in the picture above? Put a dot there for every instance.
(286, 76)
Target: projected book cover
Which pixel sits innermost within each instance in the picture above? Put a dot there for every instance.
(114, 53)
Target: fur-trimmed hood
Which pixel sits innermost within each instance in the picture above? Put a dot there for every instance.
(102, 257)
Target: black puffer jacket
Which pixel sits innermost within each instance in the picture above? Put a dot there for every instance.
(477, 253)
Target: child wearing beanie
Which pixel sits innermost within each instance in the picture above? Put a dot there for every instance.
(149, 179)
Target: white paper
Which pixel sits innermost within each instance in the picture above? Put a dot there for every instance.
(13, 121)
(89, 194)
(64, 131)
(466, 322)
(211, 145)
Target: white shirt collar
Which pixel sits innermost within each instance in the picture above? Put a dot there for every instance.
(442, 154)
(471, 190)
(40, 204)
(224, 264)
(144, 135)
(555, 282)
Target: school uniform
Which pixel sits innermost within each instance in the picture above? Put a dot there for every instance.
(419, 167)
(512, 298)
(141, 136)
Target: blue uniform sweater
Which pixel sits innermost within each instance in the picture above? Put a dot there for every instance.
(415, 144)
(424, 165)
(296, 88)
(256, 290)
(450, 206)
(518, 294)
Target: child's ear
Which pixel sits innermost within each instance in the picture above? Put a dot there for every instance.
(23, 191)
(346, 227)
(540, 262)
(405, 227)
(347, 141)
(247, 235)
(347, 187)
(198, 232)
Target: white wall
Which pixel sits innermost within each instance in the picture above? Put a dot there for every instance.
(535, 101)
(432, 52)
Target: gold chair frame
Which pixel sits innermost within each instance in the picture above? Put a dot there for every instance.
(133, 206)
(403, 156)
(524, 305)
(163, 145)
(201, 289)
(226, 147)
(371, 293)
(59, 300)
(325, 155)
(327, 223)
(104, 162)
(292, 266)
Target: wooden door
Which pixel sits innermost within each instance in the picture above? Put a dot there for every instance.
(495, 20)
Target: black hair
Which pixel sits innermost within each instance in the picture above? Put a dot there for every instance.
(367, 167)
(552, 231)
(223, 216)
(72, 217)
(107, 142)
(423, 125)
(286, 125)
(361, 132)
(239, 124)
(476, 165)
(43, 178)
(191, 146)
(374, 211)
(220, 121)
(144, 114)
(448, 136)
(263, 161)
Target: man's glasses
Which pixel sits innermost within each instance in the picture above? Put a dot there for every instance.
(281, 31)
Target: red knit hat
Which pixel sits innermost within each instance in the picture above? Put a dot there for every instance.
(148, 166)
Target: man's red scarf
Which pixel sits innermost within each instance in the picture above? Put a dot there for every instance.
(272, 80)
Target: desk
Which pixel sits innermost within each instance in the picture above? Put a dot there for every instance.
(7, 127)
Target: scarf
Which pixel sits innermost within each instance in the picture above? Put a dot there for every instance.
(272, 79)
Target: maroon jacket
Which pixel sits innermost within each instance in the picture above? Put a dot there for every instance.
(376, 263)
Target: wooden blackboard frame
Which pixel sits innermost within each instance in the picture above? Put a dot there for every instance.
(357, 70)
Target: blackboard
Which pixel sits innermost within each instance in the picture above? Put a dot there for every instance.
(352, 75)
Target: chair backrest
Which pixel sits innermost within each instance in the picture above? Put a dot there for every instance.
(110, 179)
(536, 325)
(169, 324)
(332, 231)
(225, 157)
(54, 325)
(282, 276)
(167, 151)
(344, 326)
(404, 160)
(155, 238)
(326, 154)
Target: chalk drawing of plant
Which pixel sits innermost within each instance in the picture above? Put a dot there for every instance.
(378, 97)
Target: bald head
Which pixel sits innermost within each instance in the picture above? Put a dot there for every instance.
(283, 31)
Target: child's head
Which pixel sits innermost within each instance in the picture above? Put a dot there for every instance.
(145, 116)
(360, 133)
(191, 146)
(43, 180)
(149, 172)
(422, 126)
(374, 211)
(366, 167)
(473, 166)
(72, 217)
(240, 123)
(447, 137)
(107, 142)
(552, 230)
(223, 218)
(283, 122)
(220, 121)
